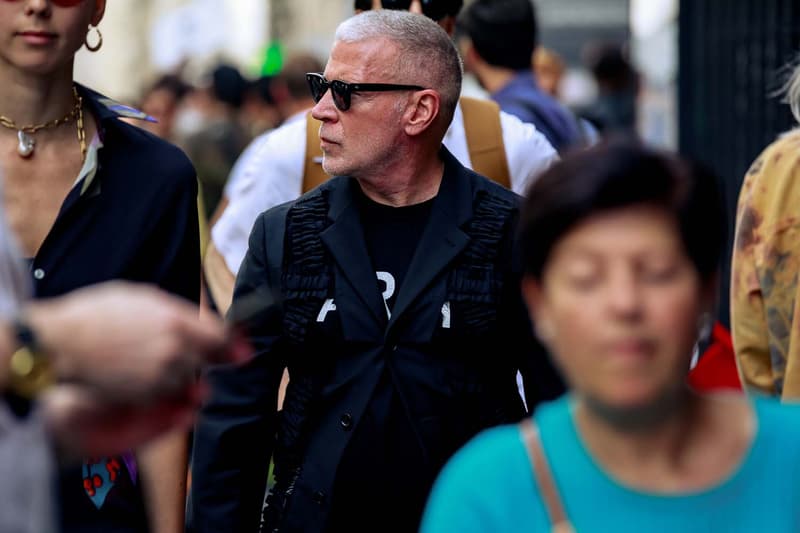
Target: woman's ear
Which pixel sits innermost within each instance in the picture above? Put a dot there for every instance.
(537, 310)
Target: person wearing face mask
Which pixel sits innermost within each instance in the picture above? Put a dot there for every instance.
(619, 271)
(287, 162)
(91, 198)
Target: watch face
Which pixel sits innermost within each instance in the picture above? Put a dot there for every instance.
(30, 372)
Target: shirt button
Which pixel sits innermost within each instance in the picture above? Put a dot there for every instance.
(346, 421)
(38, 274)
(318, 497)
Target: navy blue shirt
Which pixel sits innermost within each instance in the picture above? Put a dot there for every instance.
(522, 98)
(134, 217)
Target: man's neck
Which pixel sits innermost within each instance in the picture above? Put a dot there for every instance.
(407, 183)
(494, 78)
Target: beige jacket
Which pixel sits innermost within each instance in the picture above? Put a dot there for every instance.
(765, 319)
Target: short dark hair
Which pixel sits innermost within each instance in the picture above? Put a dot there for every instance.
(171, 83)
(617, 174)
(228, 85)
(293, 74)
(441, 8)
(503, 32)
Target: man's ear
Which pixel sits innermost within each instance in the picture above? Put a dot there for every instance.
(422, 112)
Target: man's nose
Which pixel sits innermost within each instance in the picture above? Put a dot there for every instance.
(325, 110)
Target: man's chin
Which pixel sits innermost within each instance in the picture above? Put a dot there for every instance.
(332, 168)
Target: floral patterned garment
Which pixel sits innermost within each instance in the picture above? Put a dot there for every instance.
(765, 319)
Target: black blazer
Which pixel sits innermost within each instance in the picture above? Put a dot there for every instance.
(453, 381)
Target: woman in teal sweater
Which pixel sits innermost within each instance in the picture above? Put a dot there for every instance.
(621, 249)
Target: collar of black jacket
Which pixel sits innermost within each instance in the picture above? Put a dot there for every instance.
(105, 109)
(455, 196)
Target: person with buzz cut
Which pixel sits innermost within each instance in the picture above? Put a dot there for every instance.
(287, 162)
(400, 319)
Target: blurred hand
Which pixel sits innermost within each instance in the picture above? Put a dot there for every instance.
(129, 343)
(83, 423)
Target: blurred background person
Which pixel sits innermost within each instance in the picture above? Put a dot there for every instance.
(208, 128)
(90, 198)
(549, 69)
(499, 37)
(162, 100)
(259, 112)
(614, 108)
(766, 262)
(621, 248)
(291, 101)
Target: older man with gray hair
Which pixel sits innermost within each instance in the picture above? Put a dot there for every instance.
(400, 318)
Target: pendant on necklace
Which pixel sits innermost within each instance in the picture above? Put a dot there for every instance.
(26, 144)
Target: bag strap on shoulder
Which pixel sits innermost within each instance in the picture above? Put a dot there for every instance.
(484, 142)
(485, 139)
(544, 477)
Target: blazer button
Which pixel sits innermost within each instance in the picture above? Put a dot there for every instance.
(318, 497)
(346, 421)
(38, 274)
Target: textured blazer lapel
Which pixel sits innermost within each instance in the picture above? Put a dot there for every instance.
(344, 239)
(442, 239)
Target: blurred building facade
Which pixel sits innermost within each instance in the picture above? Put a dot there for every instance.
(144, 38)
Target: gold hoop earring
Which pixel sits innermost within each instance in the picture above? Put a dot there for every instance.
(99, 44)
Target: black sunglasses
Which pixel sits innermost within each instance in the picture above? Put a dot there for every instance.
(434, 9)
(342, 91)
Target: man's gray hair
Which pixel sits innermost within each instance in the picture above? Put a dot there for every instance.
(792, 91)
(427, 56)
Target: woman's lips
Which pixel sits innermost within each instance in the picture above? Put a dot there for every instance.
(37, 38)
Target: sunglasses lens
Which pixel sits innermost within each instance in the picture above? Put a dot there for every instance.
(317, 86)
(341, 95)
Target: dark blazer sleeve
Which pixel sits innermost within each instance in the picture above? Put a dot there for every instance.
(540, 378)
(235, 433)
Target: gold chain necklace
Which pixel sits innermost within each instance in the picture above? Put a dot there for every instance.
(25, 134)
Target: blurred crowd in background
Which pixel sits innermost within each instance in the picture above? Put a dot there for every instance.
(215, 117)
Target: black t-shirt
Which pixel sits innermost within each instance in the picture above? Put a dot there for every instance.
(381, 480)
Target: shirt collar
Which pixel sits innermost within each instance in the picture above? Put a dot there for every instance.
(105, 109)
(90, 166)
